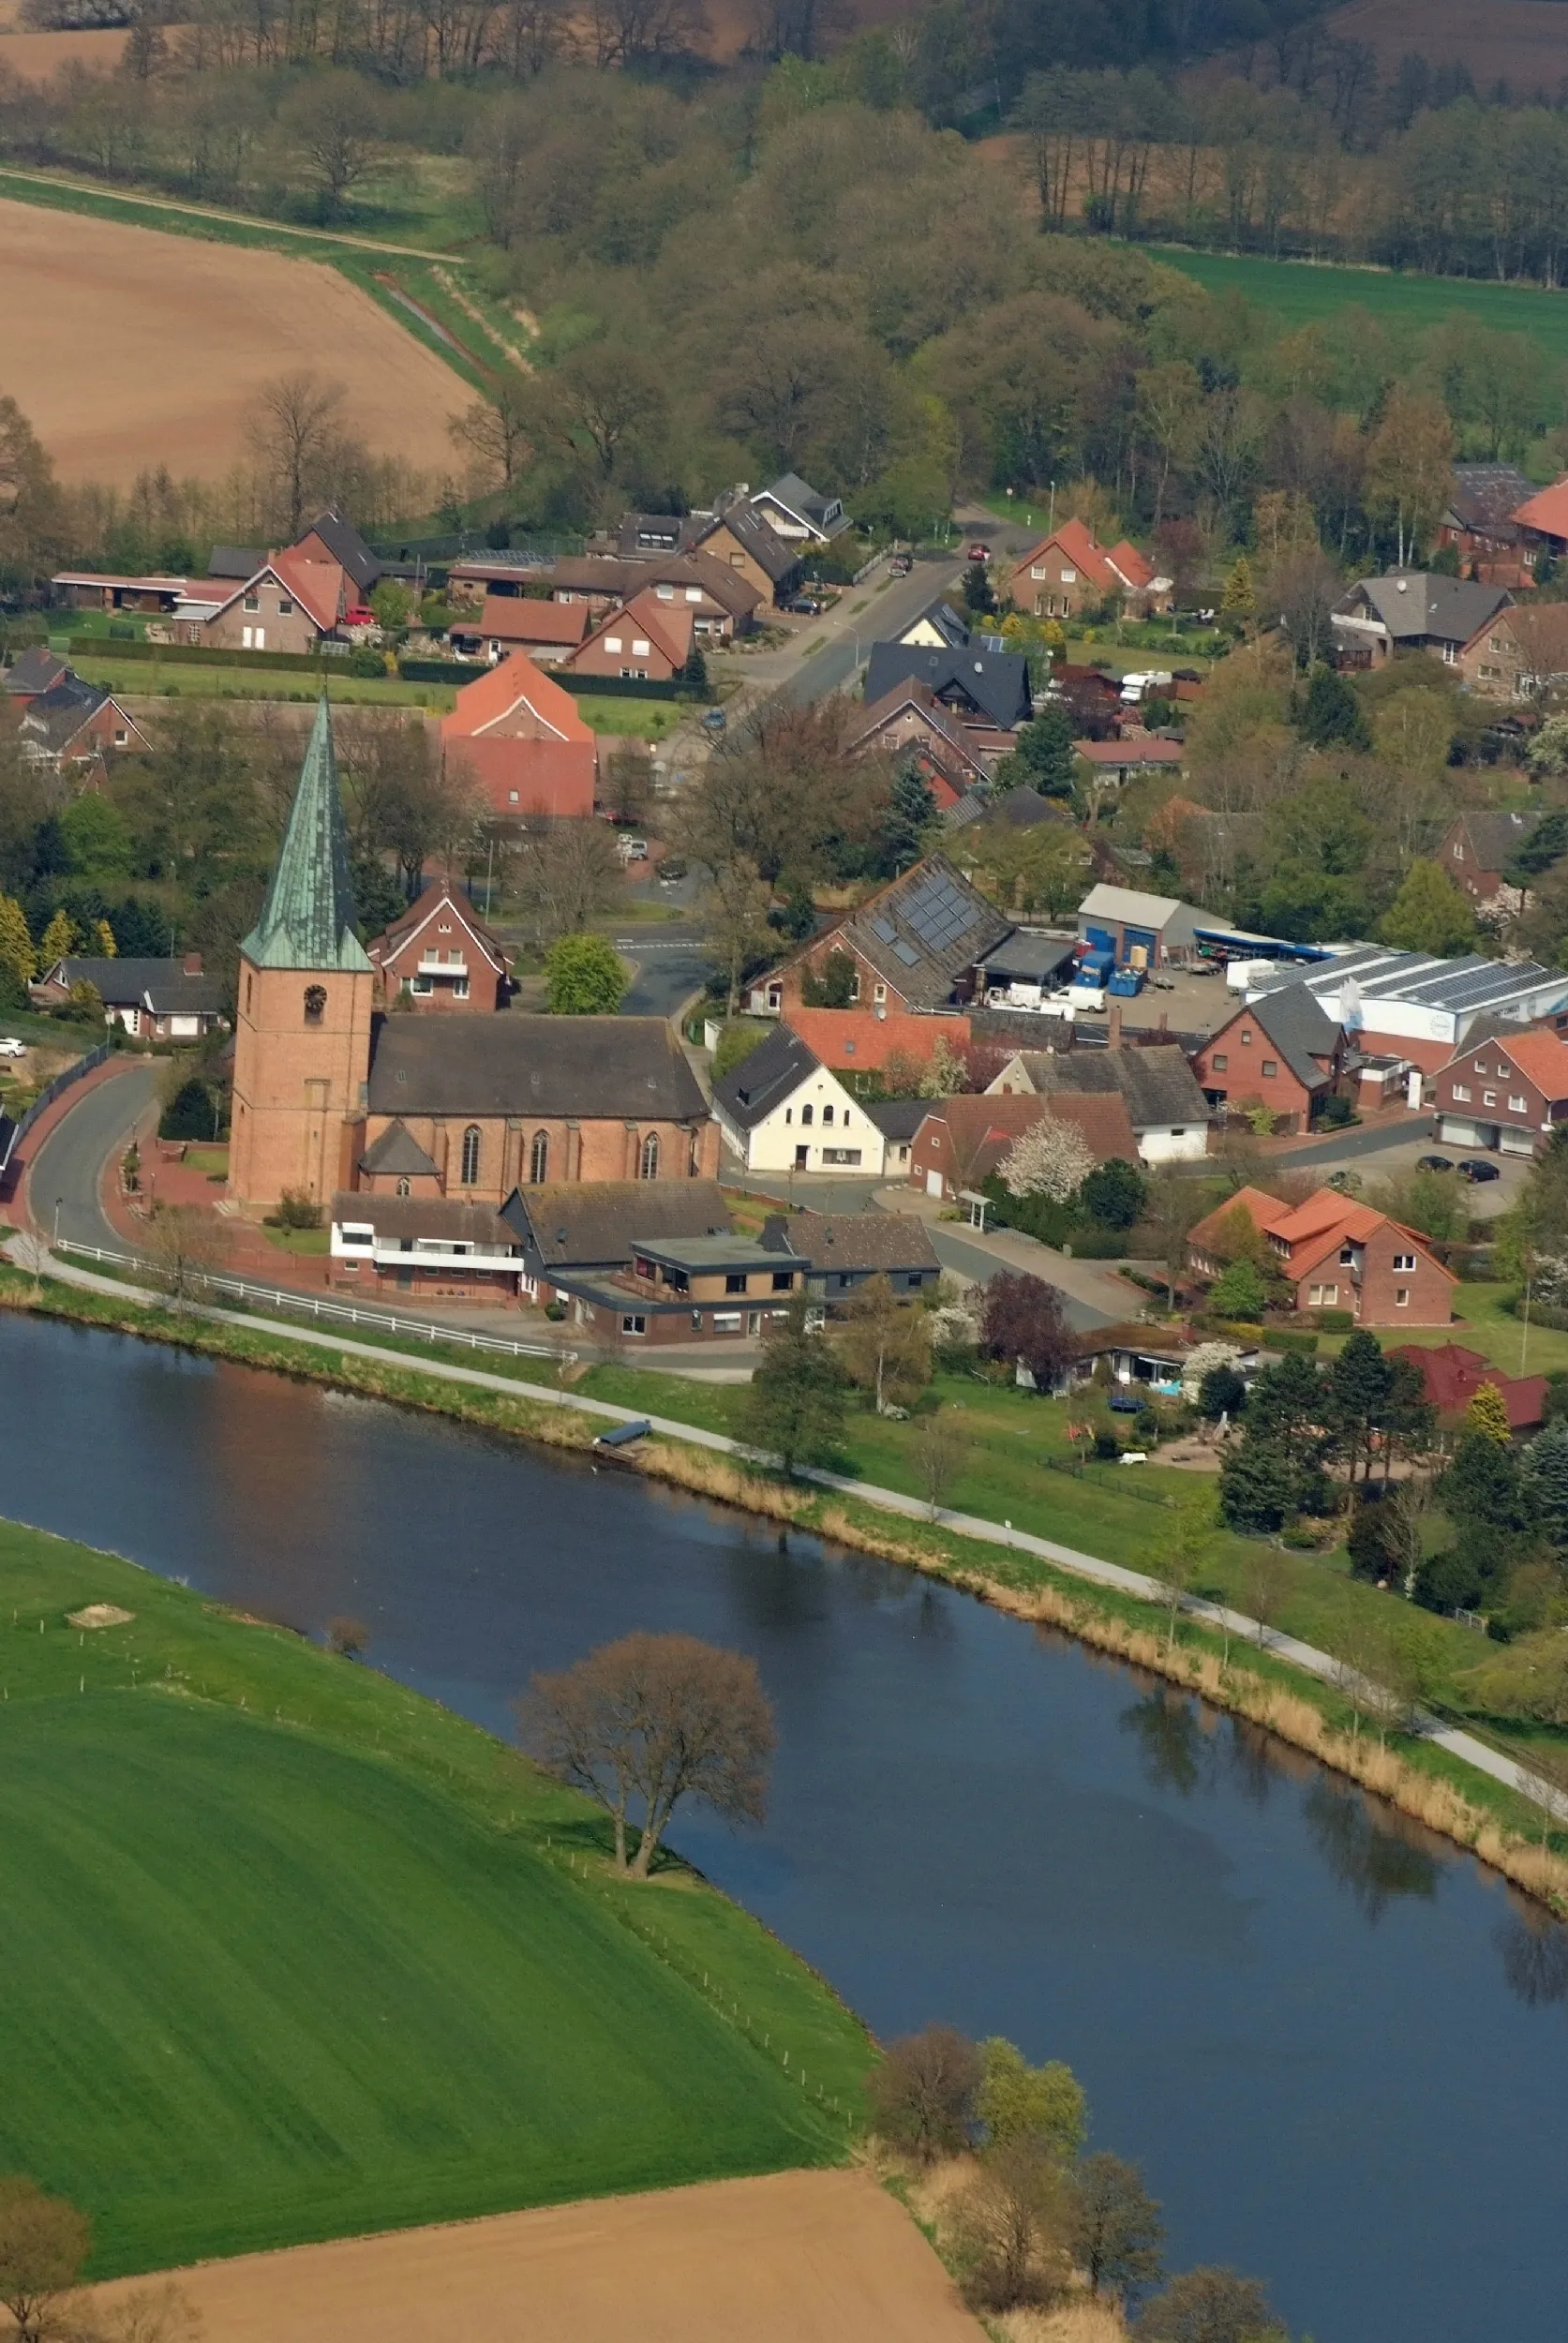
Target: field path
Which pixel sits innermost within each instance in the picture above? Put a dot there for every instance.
(101, 193)
(795, 2258)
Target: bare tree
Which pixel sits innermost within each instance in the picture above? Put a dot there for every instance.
(1265, 1583)
(299, 426)
(44, 2242)
(566, 873)
(347, 1636)
(886, 1345)
(334, 122)
(158, 2312)
(1115, 2226)
(735, 905)
(1178, 1558)
(941, 1452)
(923, 2094)
(1010, 2226)
(641, 1723)
(185, 1246)
(404, 797)
(497, 435)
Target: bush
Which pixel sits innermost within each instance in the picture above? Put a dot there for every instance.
(1292, 1339)
(1107, 1447)
(1334, 1114)
(296, 1210)
(190, 1114)
(1336, 1322)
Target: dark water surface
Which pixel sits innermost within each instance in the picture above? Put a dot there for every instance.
(1338, 2048)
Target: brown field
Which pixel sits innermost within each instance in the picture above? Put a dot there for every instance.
(128, 349)
(33, 56)
(798, 2258)
(1522, 42)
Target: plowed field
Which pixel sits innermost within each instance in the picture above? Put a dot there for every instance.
(127, 349)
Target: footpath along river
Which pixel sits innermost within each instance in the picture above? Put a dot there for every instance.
(1338, 2048)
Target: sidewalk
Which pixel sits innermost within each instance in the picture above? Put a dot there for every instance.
(27, 1254)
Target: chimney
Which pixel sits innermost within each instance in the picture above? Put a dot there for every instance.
(1113, 1025)
(775, 1234)
(192, 963)
(1164, 1021)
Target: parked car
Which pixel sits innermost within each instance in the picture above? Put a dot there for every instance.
(1475, 1170)
(900, 566)
(671, 871)
(980, 550)
(632, 849)
(12, 1047)
(715, 719)
(359, 615)
(805, 606)
(1433, 1163)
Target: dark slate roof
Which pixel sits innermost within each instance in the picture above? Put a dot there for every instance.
(797, 496)
(398, 1153)
(640, 534)
(595, 1225)
(945, 619)
(925, 931)
(606, 574)
(346, 546)
(1486, 496)
(995, 683)
(767, 548)
(38, 670)
(307, 919)
(896, 1118)
(51, 722)
(1028, 955)
(625, 1067)
(231, 562)
(1497, 837)
(862, 1240)
(1023, 808)
(1418, 606)
(1157, 1084)
(450, 1216)
(1300, 1028)
(159, 984)
(764, 1078)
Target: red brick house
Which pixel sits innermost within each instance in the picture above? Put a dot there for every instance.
(1518, 653)
(1282, 1052)
(1480, 524)
(1069, 572)
(1335, 1255)
(520, 736)
(911, 718)
(645, 641)
(962, 1140)
(1478, 848)
(440, 955)
(1450, 1376)
(1504, 1092)
(76, 727)
(912, 945)
(548, 632)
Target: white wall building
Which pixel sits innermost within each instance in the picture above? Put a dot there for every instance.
(781, 1110)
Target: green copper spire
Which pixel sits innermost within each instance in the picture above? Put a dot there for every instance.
(308, 920)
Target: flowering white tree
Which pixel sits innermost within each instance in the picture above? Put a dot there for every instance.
(1051, 1158)
(945, 1073)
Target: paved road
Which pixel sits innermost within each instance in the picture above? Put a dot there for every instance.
(671, 962)
(1371, 1139)
(886, 611)
(67, 1165)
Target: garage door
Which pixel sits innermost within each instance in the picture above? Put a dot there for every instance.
(1140, 935)
(1460, 1132)
(1514, 1142)
(1100, 939)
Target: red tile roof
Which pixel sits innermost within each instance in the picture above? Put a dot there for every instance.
(1130, 563)
(1546, 510)
(318, 586)
(1541, 1057)
(518, 618)
(1311, 1231)
(490, 698)
(1450, 1376)
(857, 1040)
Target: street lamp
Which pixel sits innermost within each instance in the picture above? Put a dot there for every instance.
(54, 1241)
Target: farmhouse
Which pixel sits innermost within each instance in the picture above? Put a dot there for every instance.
(863, 1045)
(520, 736)
(440, 955)
(328, 1097)
(1071, 572)
(1169, 1113)
(1334, 1253)
(1506, 1092)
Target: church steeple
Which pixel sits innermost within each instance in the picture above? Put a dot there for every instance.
(308, 920)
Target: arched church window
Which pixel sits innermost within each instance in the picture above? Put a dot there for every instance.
(539, 1159)
(470, 1155)
(649, 1165)
(403, 1189)
(315, 1003)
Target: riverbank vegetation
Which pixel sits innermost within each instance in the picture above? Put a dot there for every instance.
(337, 1960)
(1318, 1601)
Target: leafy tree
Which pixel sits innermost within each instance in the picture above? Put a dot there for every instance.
(1367, 1541)
(886, 1345)
(692, 675)
(1238, 1292)
(378, 898)
(17, 957)
(1488, 1416)
(583, 977)
(832, 985)
(1210, 2305)
(393, 605)
(1288, 1402)
(1114, 1193)
(1222, 1392)
(1050, 1158)
(1546, 844)
(1022, 1322)
(58, 940)
(1044, 756)
(644, 1723)
(190, 1113)
(96, 834)
(32, 511)
(1545, 1470)
(1258, 1486)
(736, 1044)
(334, 122)
(979, 593)
(1331, 715)
(1409, 465)
(908, 821)
(1483, 1484)
(44, 2243)
(797, 915)
(923, 2094)
(1017, 2101)
(1429, 914)
(1239, 602)
(795, 1401)
(1116, 2229)
(1359, 1383)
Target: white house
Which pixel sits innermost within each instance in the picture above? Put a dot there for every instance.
(1169, 1113)
(781, 1110)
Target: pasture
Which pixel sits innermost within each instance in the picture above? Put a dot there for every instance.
(298, 1962)
(195, 328)
(1307, 293)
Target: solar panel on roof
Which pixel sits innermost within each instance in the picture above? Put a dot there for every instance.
(907, 954)
(885, 928)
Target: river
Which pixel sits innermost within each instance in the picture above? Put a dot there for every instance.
(1338, 2048)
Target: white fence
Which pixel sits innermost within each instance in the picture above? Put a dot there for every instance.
(324, 1309)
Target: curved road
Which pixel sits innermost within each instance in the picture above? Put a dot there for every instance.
(67, 1165)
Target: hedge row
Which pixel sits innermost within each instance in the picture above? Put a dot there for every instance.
(207, 655)
(583, 687)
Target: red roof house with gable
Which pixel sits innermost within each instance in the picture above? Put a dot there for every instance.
(646, 640)
(1450, 1376)
(963, 1141)
(855, 1041)
(1505, 1092)
(1337, 1254)
(1067, 571)
(519, 734)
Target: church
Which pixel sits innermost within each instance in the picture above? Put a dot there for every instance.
(333, 1095)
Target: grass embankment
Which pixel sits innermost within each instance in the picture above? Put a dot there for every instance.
(150, 678)
(305, 1955)
(1307, 293)
(1099, 1513)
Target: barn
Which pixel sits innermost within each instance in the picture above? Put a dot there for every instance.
(1125, 921)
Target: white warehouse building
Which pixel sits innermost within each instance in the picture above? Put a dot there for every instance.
(1417, 1006)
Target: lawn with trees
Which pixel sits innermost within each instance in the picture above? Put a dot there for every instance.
(301, 1959)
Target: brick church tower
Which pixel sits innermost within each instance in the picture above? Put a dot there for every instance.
(302, 1037)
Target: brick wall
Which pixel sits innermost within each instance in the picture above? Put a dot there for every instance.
(1239, 1073)
(297, 1081)
(580, 1149)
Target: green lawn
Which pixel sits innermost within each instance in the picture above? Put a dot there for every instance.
(150, 678)
(1302, 293)
(46, 1032)
(291, 1958)
(1485, 1322)
(643, 720)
